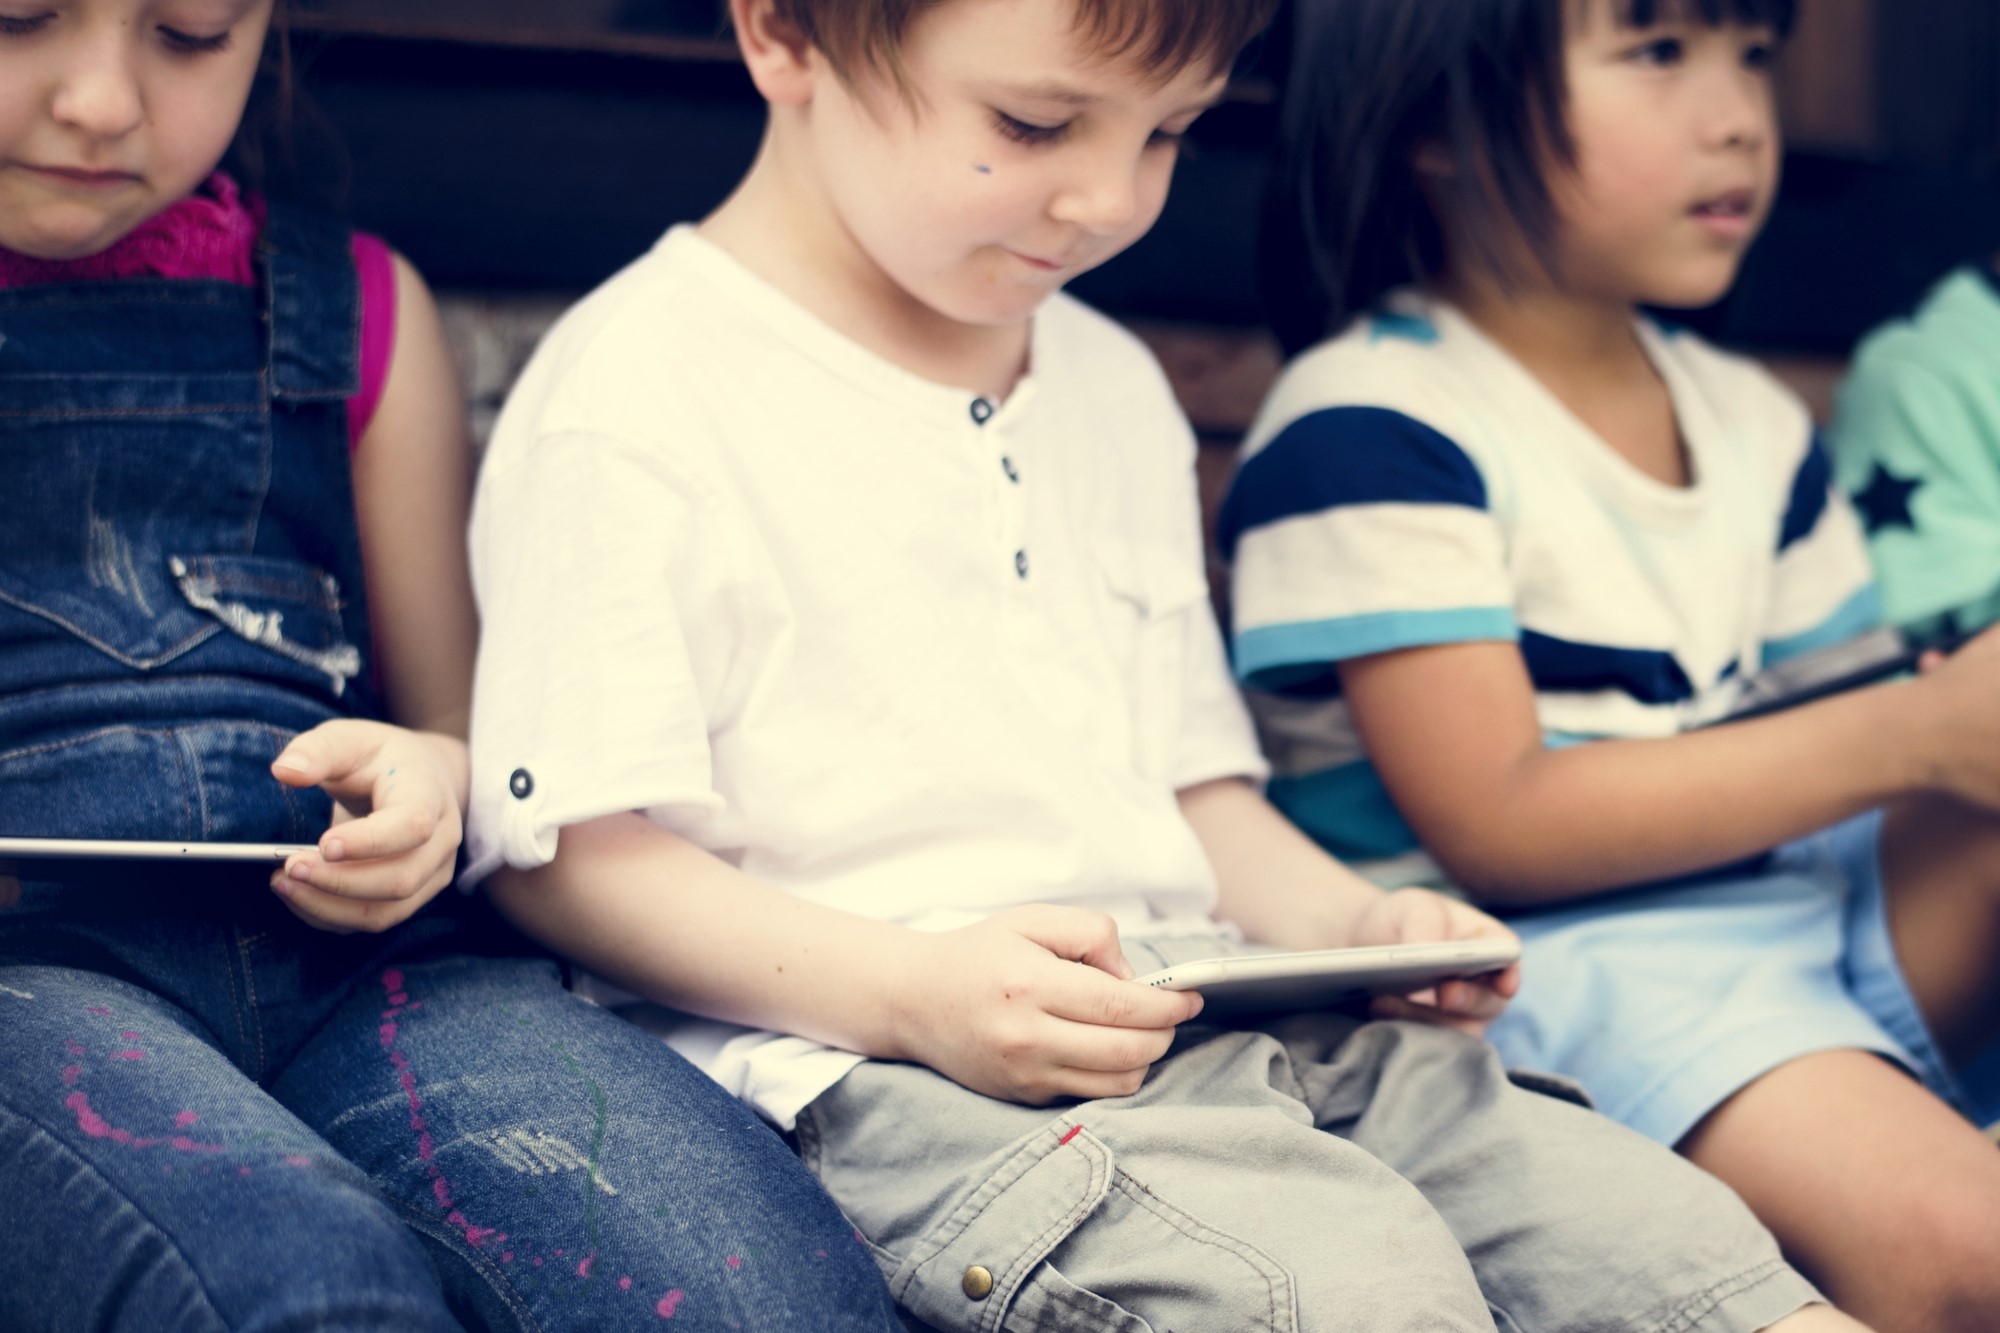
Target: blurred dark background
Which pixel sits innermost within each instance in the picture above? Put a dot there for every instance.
(537, 145)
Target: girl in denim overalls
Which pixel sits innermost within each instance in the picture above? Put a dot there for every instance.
(329, 1097)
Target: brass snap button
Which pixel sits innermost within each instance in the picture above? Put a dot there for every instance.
(978, 1282)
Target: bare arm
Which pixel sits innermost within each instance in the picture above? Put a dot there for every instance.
(399, 790)
(1283, 890)
(1453, 732)
(1030, 1005)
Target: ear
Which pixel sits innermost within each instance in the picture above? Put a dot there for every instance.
(782, 63)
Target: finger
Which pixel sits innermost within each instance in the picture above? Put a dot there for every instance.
(1090, 1085)
(1104, 1050)
(323, 754)
(344, 916)
(1471, 999)
(1106, 1002)
(1931, 660)
(1424, 917)
(1395, 1007)
(1090, 938)
(390, 831)
(386, 880)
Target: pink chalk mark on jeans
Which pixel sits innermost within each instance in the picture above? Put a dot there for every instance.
(300, 1162)
(97, 1009)
(507, 1256)
(70, 1074)
(130, 1036)
(734, 1261)
(184, 1119)
(624, 1284)
(97, 1127)
(583, 1269)
(406, 1079)
(670, 1303)
(128, 1055)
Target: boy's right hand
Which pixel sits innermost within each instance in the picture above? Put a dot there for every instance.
(1960, 741)
(1037, 1004)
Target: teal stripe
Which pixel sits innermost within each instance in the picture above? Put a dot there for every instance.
(1859, 614)
(1346, 810)
(1272, 648)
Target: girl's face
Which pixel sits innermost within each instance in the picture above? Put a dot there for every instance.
(111, 110)
(1024, 161)
(1676, 138)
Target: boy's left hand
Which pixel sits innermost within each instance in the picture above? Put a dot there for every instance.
(1419, 916)
(396, 824)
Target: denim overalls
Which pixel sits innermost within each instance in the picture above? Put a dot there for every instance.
(211, 1115)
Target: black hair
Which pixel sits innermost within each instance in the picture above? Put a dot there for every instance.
(285, 146)
(1371, 81)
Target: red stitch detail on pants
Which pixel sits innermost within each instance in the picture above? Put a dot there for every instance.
(1074, 1130)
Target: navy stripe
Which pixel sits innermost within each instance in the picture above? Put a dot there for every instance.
(1559, 666)
(1810, 489)
(1347, 456)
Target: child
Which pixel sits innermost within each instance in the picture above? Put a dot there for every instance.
(1501, 544)
(342, 1105)
(848, 680)
(1916, 442)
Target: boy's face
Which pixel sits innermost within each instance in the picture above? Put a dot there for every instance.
(1676, 140)
(1019, 160)
(111, 110)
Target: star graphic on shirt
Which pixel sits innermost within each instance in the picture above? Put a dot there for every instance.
(1885, 501)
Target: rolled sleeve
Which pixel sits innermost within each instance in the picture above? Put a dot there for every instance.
(588, 699)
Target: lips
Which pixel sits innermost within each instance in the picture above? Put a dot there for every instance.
(1734, 204)
(83, 176)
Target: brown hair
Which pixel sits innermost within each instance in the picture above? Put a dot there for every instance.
(1163, 36)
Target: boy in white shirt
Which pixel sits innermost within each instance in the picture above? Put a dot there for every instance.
(848, 679)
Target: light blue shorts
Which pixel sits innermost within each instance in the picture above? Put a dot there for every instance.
(1663, 1002)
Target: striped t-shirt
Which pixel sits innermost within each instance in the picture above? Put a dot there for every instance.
(1409, 483)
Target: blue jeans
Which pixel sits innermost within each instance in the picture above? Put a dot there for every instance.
(209, 1127)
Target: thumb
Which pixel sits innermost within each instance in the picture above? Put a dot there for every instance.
(325, 754)
(1080, 936)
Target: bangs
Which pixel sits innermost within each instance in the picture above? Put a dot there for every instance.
(1778, 14)
(1160, 38)
(1165, 37)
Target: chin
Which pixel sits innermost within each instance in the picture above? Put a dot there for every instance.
(53, 241)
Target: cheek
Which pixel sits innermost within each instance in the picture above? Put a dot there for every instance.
(196, 113)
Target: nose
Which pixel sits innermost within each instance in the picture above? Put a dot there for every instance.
(98, 92)
(1103, 194)
(1740, 111)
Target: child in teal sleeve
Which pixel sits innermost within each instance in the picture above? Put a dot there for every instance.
(1916, 442)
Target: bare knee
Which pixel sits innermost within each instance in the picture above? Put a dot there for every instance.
(1952, 1268)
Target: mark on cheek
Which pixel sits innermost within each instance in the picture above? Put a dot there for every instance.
(982, 168)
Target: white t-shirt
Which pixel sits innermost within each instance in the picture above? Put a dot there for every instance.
(1409, 483)
(869, 638)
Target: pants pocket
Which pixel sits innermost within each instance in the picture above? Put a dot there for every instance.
(1058, 1238)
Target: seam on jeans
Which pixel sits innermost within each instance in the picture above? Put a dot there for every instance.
(496, 1281)
(173, 1246)
(250, 987)
(1185, 1223)
(96, 413)
(1703, 1303)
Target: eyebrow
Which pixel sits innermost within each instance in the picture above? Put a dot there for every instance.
(1050, 91)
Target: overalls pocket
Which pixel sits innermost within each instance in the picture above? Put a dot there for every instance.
(108, 475)
(283, 606)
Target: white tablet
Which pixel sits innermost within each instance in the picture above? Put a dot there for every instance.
(1284, 982)
(50, 857)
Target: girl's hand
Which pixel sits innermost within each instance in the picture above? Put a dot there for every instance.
(396, 826)
(1034, 1005)
(1418, 916)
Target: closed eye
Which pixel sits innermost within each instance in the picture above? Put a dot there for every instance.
(1026, 132)
(187, 44)
(12, 26)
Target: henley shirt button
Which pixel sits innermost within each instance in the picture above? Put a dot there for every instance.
(977, 1282)
(1013, 473)
(982, 411)
(522, 784)
(1021, 563)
